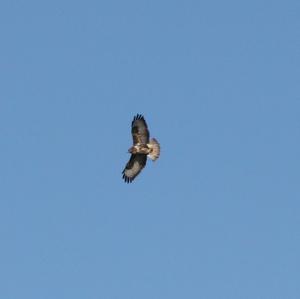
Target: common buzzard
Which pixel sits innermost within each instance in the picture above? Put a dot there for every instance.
(142, 147)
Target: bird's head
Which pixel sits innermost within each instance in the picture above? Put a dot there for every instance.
(132, 150)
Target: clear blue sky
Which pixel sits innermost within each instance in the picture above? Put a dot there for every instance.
(217, 216)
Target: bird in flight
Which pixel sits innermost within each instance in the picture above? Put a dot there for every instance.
(142, 148)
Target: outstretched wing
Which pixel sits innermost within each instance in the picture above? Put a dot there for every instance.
(139, 130)
(134, 166)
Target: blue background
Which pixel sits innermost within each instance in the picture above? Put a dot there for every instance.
(217, 216)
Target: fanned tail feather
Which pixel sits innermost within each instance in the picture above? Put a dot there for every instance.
(154, 145)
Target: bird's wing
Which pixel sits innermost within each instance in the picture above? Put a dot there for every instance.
(139, 130)
(134, 166)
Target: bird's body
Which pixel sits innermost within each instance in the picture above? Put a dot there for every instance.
(139, 149)
(151, 149)
(142, 148)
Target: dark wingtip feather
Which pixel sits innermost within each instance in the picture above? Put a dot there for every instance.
(138, 116)
(126, 178)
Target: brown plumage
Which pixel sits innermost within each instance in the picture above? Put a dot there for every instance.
(142, 148)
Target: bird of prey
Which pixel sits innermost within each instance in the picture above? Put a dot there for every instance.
(142, 148)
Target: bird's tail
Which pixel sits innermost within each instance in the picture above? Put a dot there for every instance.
(155, 149)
